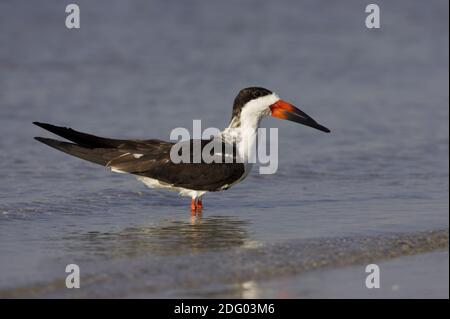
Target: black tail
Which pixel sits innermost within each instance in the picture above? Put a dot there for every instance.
(98, 155)
(82, 139)
(92, 148)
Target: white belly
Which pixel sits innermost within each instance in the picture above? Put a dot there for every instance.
(154, 183)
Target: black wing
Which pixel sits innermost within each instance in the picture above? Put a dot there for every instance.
(148, 158)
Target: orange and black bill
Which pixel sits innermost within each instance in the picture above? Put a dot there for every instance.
(287, 111)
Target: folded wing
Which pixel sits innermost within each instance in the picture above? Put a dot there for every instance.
(148, 158)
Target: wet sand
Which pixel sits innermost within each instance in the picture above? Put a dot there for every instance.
(419, 276)
(233, 273)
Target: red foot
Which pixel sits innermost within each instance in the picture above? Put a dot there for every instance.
(196, 206)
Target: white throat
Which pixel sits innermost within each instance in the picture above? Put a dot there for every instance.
(243, 129)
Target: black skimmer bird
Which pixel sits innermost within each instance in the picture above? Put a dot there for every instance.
(151, 162)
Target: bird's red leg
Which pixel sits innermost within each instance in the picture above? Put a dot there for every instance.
(193, 206)
(199, 204)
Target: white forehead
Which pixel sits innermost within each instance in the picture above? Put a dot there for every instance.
(260, 104)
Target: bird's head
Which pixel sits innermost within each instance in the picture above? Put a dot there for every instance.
(254, 103)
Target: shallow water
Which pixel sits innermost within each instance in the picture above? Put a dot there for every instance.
(140, 69)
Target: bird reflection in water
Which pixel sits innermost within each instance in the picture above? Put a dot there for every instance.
(168, 237)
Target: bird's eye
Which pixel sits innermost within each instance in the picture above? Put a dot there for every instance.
(257, 94)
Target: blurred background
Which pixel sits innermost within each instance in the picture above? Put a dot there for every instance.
(139, 69)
